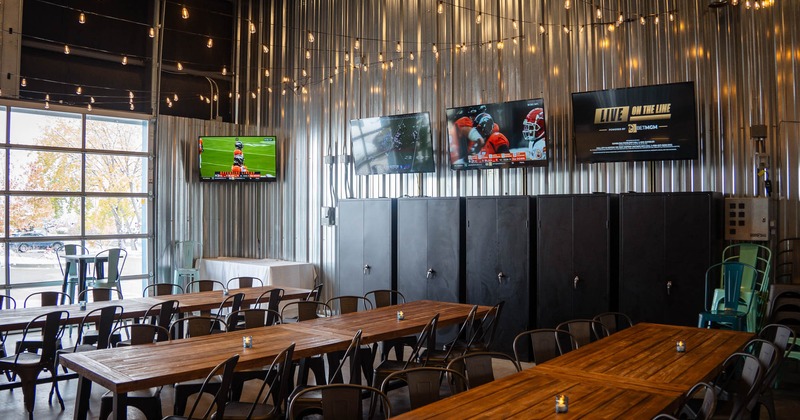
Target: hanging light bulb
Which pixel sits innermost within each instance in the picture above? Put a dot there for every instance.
(152, 32)
(89, 107)
(175, 97)
(310, 37)
(357, 44)
(224, 71)
(440, 8)
(23, 82)
(132, 106)
(252, 28)
(514, 24)
(365, 67)
(541, 29)
(756, 5)
(283, 92)
(91, 99)
(66, 49)
(567, 4)
(130, 95)
(500, 45)
(215, 98)
(735, 2)
(269, 89)
(253, 95)
(210, 43)
(47, 97)
(184, 12)
(304, 73)
(656, 20)
(330, 80)
(565, 29)
(82, 18)
(642, 20)
(265, 48)
(463, 46)
(581, 29)
(346, 57)
(391, 64)
(124, 60)
(398, 47)
(598, 13)
(620, 18)
(436, 54)
(304, 90)
(266, 72)
(169, 104)
(78, 90)
(208, 101)
(47, 105)
(180, 66)
(411, 55)
(747, 4)
(514, 40)
(434, 49)
(380, 56)
(611, 27)
(671, 17)
(478, 19)
(308, 54)
(202, 98)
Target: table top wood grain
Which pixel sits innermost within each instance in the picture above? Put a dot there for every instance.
(200, 301)
(17, 319)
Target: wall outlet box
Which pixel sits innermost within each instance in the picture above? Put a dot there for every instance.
(747, 219)
(328, 216)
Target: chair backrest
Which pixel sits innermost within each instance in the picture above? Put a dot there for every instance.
(106, 319)
(758, 256)
(196, 326)
(343, 401)
(161, 314)
(424, 383)
(781, 335)
(70, 249)
(733, 275)
(99, 294)
(426, 338)
(244, 282)
(315, 293)
(7, 300)
(462, 332)
(614, 321)
(740, 378)
(204, 286)
(477, 367)
(51, 333)
(253, 318)
(184, 253)
(707, 394)
(787, 267)
(222, 387)
(542, 345)
(385, 297)
(348, 304)
(279, 379)
(307, 310)
(116, 263)
(274, 298)
(162, 289)
(484, 331)
(784, 308)
(142, 333)
(350, 356)
(46, 298)
(584, 331)
(770, 357)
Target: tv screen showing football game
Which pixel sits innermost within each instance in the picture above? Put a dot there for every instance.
(500, 135)
(641, 123)
(237, 158)
(392, 144)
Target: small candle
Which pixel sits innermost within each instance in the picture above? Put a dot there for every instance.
(82, 305)
(224, 292)
(247, 341)
(400, 316)
(680, 347)
(562, 403)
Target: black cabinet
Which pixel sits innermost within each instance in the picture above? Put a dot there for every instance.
(575, 254)
(667, 241)
(429, 248)
(498, 253)
(366, 254)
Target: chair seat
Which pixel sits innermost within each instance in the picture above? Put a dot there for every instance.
(387, 367)
(25, 358)
(186, 388)
(239, 410)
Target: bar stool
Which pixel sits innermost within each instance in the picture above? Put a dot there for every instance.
(184, 263)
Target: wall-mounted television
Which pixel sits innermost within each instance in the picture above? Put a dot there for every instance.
(237, 158)
(499, 135)
(392, 144)
(655, 122)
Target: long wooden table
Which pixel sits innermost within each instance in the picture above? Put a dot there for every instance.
(635, 373)
(126, 369)
(200, 301)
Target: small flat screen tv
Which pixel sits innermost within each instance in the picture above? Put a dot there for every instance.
(499, 135)
(237, 158)
(392, 144)
(655, 122)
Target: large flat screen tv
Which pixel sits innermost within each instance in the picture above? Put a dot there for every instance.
(640, 123)
(499, 135)
(237, 158)
(392, 144)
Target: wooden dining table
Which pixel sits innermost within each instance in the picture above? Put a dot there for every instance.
(201, 301)
(126, 369)
(17, 319)
(635, 373)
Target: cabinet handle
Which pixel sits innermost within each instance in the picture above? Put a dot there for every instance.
(669, 287)
(430, 274)
(575, 282)
(366, 268)
(500, 277)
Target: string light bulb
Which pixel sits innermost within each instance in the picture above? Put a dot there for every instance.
(411, 55)
(365, 67)
(391, 64)
(735, 2)
(304, 73)
(747, 4)
(202, 98)
(252, 28)
(380, 56)
(514, 24)
(132, 107)
(23, 82)
(500, 45)
(82, 18)
(269, 89)
(611, 27)
(642, 21)
(266, 72)
(66, 49)
(78, 90)
(253, 95)
(598, 13)
(434, 48)
(514, 40)
(656, 20)
(440, 8)
(47, 97)
(91, 99)
(357, 44)
(567, 4)
(346, 57)
(565, 29)
(210, 43)
(478, 19)
(265, 48)
(89, 107)
(124, 60)
(489, 45)
(541, 29)
(130, 95)
(671, 17)
(756, 5)
(215, 98)
(283, 92)
(398, 47)
(152, 32)
(47, 105)
(310, 37)
(180, 66)
(224, 70)
(581, 29)
(184, 12)
(620, 18)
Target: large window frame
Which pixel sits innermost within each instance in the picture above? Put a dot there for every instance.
(142, 199)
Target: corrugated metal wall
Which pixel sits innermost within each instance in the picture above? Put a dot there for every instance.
(744, 64)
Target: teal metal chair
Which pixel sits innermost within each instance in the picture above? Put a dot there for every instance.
(184, 263)
(735, 305)
(71, 282)
(760, 257)
(116, 262)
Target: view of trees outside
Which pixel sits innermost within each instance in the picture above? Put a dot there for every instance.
(59, 192)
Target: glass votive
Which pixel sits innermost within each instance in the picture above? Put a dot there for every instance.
(400, 316)
(680, 346)
(224, 292)
(562, 403)
(82, 305)
(247, 341)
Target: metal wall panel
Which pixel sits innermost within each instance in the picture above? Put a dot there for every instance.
(744, 64)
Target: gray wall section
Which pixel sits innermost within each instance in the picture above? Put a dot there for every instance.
(743, 62)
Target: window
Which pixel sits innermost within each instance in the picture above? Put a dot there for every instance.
(71, 178)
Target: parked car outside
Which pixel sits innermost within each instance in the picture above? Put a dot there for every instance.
(32, 243)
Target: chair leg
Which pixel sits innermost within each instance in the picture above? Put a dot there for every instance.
(54, 387)
(28, 379)
(106, 407)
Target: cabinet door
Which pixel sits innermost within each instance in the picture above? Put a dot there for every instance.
(554, 255)
(481, 252)
(643, 291)
(591, 255)
(444, 223)
(378, 244)
(350, 251)
(412, 248)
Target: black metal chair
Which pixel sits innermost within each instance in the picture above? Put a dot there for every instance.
(222, 383)
(273, 299)
(700, 403)
(426, 338)
(477, 367)
(541, 345)
(162, 289)
(585, 331)
(204, 286)
(613, 321)
(343, 401)
(194, 326)
(424, 384)
(441, 357)
(242, 320)
(244, 282)
(307, 310)
(47, 298)
(738, 384)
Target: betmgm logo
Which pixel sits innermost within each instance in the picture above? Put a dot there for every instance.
(632, 128)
